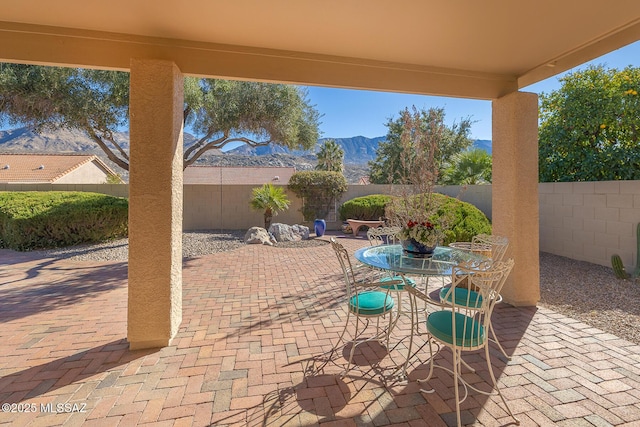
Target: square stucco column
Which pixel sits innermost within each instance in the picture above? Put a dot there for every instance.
(155, 203)
(515, 192)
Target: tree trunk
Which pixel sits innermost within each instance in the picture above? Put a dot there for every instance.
(268, 215)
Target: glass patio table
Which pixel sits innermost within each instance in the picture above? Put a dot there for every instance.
(393, 259)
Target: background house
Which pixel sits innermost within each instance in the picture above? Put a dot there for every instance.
(55, 169)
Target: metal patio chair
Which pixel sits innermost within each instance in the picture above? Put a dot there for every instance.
(464, 323)
(366, 301)
(489, 245)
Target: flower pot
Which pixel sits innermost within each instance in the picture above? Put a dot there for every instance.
(414, 247)
(319, 225)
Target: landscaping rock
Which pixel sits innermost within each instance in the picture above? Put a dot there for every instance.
(257, 235)
(301, 230)
(289, 233)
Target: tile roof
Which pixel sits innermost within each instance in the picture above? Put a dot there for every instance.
(251, 175)
(43, 168)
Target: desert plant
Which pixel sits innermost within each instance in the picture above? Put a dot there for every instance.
(271, 199)
(38, 220)
(319, 190)
(330, 157)
(618, 266)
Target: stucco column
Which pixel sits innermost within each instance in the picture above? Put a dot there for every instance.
(515, 192)
(155, 203)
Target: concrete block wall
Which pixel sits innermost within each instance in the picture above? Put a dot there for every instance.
(590, 221)
(211, 207)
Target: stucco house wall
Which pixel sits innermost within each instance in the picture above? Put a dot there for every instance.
(88, 173)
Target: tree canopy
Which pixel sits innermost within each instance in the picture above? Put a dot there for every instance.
(589, 128)
(395, 158)
(330, 157)
(469, 167)
(97, 102)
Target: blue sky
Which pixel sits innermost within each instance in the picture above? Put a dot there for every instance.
(349, 113)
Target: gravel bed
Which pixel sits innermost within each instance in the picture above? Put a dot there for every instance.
(580, 290)
(194, 244)
(592, 294)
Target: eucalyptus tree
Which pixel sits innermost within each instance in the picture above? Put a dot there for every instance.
(97, 103)
(330, 157)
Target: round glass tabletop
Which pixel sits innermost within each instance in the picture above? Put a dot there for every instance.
(394, 258)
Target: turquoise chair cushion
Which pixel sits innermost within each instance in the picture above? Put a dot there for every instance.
(440, 325)
(463, 297)
(371, 303)
(400, 286)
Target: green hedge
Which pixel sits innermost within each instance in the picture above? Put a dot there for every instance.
(366, 208)
(39, 220)
(465, 219)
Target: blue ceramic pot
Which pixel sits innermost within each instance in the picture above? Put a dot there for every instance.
(319, 225)
(415, 247)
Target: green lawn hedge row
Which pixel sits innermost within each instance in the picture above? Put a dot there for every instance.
(40, 220)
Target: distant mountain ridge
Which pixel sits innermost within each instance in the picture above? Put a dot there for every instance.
(358, 150)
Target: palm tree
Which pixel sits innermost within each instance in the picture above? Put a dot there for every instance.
(330, 157)
(271, 199)
(468, 167)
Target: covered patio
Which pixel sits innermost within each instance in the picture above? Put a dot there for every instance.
(238, 338)
(258, 323)
(483, 51)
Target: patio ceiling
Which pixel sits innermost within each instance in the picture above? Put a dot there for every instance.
(456, 48)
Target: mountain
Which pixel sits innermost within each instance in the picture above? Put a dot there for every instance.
(358, 150)
(61, 141)
(484, 144)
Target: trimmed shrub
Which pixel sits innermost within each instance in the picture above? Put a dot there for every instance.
(458, 220)
(40, 220)
(464, 219)
(366, 208)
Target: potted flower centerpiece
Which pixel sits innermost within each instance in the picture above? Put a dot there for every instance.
(414, 209)
(421, 229)
(419, 237)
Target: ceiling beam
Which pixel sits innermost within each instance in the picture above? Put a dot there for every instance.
(602, 45)
(35, 44)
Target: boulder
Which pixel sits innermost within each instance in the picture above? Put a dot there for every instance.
(257, 235)
(301, 230)
(289, 233)
(282, 232)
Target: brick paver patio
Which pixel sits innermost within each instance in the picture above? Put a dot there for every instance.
(258, 325)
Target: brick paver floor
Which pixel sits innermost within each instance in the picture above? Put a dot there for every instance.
(254, 348)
